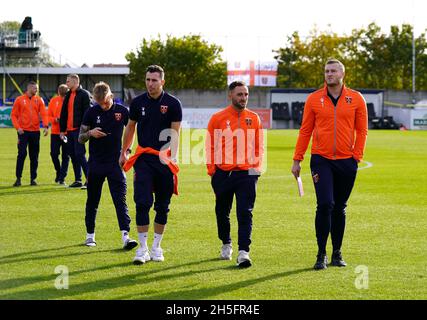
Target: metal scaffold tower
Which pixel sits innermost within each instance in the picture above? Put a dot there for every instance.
(18, 48)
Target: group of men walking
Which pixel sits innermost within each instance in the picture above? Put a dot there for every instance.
(335, 116)
(65, 113)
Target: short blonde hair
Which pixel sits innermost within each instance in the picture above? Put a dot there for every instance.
(101, 91)
(74, 76)
(333, 60)
(62, 90)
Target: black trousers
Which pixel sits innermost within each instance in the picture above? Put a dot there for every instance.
(32, 140)
(152, 177)
(333, 181)
(97, 173)
(226, 185)
(77, 153)
(57, 147)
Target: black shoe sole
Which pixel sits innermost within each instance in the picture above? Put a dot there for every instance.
(245, 264)
(130, 245)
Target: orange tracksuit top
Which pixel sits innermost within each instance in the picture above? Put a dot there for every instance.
(54, 112)
(26, 113)
(234, 141)
(339, 132)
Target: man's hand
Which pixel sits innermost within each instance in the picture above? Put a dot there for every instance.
(123, 158)
(45, 131)
(97, 133)
(20, 131)
(296, 168)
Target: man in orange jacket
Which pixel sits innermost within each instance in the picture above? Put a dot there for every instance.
(234, 151)
(336, 117)
(56, 143)
(26, 113)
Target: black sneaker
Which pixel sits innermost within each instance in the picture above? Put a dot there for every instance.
(17, 183)
(130, 244)
(33, 183)
(84, 187)
(75, 184)
(61, 182)
(321, 262)
(337, 260)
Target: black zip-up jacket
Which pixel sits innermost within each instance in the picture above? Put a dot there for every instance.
(82, 102)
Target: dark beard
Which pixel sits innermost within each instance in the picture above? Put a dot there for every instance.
(239, 106)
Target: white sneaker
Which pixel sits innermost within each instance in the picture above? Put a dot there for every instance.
(157, 254)
(226, 251)
(142, 256)
(243, 260)
(90, 242)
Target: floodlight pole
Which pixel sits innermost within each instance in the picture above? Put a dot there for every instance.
(3, 61)
(413, 65)
(413, 54)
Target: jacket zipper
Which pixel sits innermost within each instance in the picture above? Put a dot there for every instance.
(335, 131)
(334, 148)
(31, 114)
(238, 119)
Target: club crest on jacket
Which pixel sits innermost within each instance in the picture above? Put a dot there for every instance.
(163, 109)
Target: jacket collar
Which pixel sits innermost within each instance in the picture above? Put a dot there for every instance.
(77, 89)
(234, 112)
(343, 91)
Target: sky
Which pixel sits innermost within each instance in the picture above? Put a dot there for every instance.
(103, 31)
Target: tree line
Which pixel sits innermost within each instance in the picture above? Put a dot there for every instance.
(373, 59)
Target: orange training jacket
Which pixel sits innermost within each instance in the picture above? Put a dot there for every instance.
(54, 112)
(27, 113)
(338, 132)
(234, 141)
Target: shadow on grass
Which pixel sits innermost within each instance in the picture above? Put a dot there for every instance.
(94, 286)
(146, 276)
(29, 256)
(24, 190)
(35, 258)
(20, 254)
(210, 292)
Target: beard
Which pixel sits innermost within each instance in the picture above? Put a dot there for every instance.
(238, 105)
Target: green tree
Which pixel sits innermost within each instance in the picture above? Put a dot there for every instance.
(9, 26)
(372, 58)
(301, 62)
(189, 62)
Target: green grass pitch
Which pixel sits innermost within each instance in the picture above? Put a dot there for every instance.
(385, 243)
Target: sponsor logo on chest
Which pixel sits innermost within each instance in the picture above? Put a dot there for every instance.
(118, 116)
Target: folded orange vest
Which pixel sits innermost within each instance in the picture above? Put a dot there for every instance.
(164, 156)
